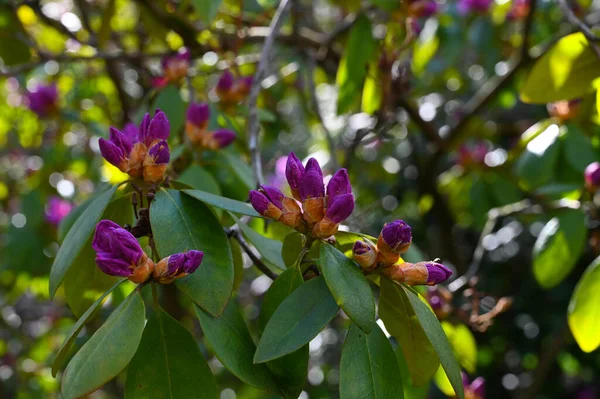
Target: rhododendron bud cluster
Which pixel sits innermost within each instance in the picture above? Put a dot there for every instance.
(233, 90)
(313, 210)
(385, 257)
(118, 253)
(141, 153)
(196, 129)
(175, 68)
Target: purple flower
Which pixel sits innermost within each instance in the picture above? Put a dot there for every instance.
(177, 266)
(157, 128)
(223, 137)
(57, 209)
(175, 68)
(338, 185)
(592, 175)
(475, 6)
(160, 152)
(198, 114)
(131, 131)
(118, 253)
(437, 273)
(225, 82)
(312, 181)
(340, 208)
(397, 236)
(475, 389)
(267, 201)
(43, 100)
(294, 173)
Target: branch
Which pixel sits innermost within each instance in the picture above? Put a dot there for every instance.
(428, 129)
(525, 207)
(581, 26)
(253, 122)
(235, 232)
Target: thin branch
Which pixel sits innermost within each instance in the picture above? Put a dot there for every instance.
(253, 122)
(428, 129)
(525, 207)
(260, 265)
(581, 26)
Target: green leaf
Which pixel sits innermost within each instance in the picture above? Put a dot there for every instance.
(289, 371)
(584, 312)
(349, 287)
(438, 339)
(372, 90)
(227, 204)
(368, 368)
(353, 66)
(410, 391)
(232, 344)
(63, 351)
(268, 4)
(565, 72)
(76, 238)
(400, 320)
(197, 177)
(14, 49)
(463, 343)
(537, 164)
(168, 363)
(578, 149)
(108, 351)
(292, 246)
(558, 247)
(207, 9)
(181, 223)
(85, 282)
(170, 102)
(105, 29)
(71, 218)
(443, 383)
(299, 318)
(270, 249)
(424, 50)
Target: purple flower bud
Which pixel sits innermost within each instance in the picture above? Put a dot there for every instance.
(312, 182)
(117, 250)
(57, 209)
(120, 140)
(246, 82)
(175, 264)
(340, 208)
(198, 114)
(43, 100)
(111, 152)
(225, 82)
(184, 54)
(193, 259)
(313, 165)
(158, 128)
(365, 254)
(259, 201)
(429, 9)
(592, 175)
(294, 171)
(113, 266)
(338, 185)
(273, 195)
(143, 132)
(160, 152)
(131, 131)
(438, 273)
(397, 234)
(224, 137)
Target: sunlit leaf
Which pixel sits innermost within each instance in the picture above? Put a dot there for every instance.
(584, 312)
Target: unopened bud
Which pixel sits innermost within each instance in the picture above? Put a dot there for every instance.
(365, 254)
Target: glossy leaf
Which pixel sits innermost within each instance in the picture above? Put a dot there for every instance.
(425, 48)
(299, 318)
(223, 203)
(579, 151)
(170, 102)
(63, 351)
(368, 368)
(401, 321)
(353, 66)
(232, 344)
(14, 49)
(372, 90)
(168, 363)
(292, 246)
(270, 249)
(207, 9)
(463, 343)
(181, 223)
(197, 177)
(584, 312)
(438, 339)
(349, 286)
(76, 238)
(537, 164)
(558, 247)
(108, 351)
(289, 371)
(564, 72)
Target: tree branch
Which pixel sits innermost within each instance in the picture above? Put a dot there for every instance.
(581, 26)
(235, 232)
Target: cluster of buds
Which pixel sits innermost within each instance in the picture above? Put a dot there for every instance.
(174, 67)
(43, 100)
(564, 110)
(394, 240)
(320, 210)
(474, 6)
(118, 253)
(141, 153)
(57, 209)
(592, 176)
(196, 129)
(474, 389)
(231, 90)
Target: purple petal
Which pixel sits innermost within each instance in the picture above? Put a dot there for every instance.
(110, 152)
(397, 233)
(101, 241)
(120, 140)
(592, 174)
(438, 273)
(361, 248)
(312, 185)
(340, 208)
(224, 137)
(125, 245)
(225, 82)
(339, 184)
(478, 387)
(313, 165)
(175, 264)
(57, 209)
(259, 201)
(198, 114)
(273, 195)
(159, 128)
(193, 259)
(143, 132)
(131, 131)
(294, 171)
(160, 152)
(113, 266)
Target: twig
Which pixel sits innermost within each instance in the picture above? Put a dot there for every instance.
(253, 123)
(260, 265)
(494, 215)
(310, 69)
(428, 129)
(581, 26)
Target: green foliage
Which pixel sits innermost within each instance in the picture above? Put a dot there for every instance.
(584, 314)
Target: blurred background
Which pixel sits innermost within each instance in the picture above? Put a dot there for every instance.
(418, 99)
